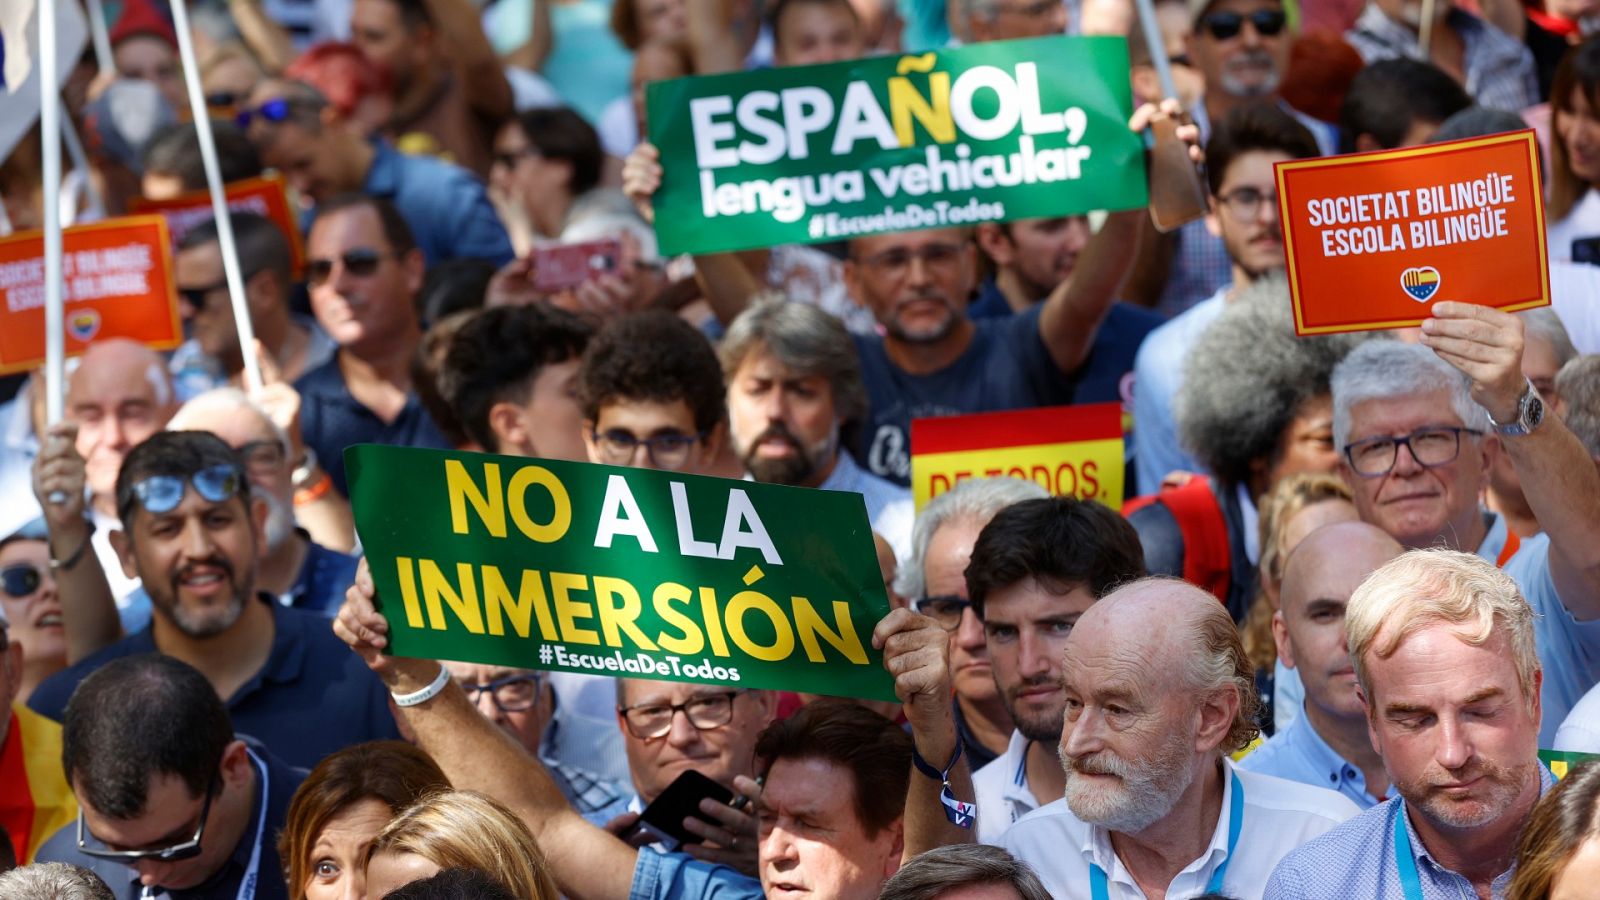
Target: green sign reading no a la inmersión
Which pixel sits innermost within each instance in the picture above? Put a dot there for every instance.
(991, 132)
(575, 567)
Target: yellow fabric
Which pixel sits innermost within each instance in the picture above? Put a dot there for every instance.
(54, 805)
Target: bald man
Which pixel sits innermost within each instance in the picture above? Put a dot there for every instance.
(1328, 745)
(1158, 694)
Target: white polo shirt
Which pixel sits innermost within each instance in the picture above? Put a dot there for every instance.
(1278, 816)
(1002, 791)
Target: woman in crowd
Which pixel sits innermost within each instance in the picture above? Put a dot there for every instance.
(28, 601)
(1574, 208)
(1558, 856)
(459, 830)
(339, 810)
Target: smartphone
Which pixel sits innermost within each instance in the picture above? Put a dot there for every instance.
(663, 819)
(562, 266)
(1586, 250)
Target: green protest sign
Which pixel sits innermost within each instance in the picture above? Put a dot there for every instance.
(1560, 762)
(992, 132)
(630, 572)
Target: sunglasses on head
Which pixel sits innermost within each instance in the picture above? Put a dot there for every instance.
(1226, 25)
(20, 580)
(162, 493)
(275, 111)
(360, 262)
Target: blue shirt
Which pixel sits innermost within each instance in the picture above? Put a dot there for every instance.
(1157, 373)
(449, 213)
(678, 876)
(281, 782)
(312, 697)
(331, 419)
(1298, 753)
(1357, 859)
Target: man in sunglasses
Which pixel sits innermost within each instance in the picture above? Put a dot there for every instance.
(1036, 567)
(192, 533)
(1419, 428)
(1496, 68)
(173, 804)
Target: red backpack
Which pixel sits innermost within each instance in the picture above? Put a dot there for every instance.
(1207, 553)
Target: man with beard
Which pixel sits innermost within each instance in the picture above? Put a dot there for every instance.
(793, 382)
(1443, 647)
(1035, 568)
(193, 535)
(1158, 692)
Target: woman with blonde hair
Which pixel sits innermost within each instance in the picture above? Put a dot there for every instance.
(1558, 855)
(459, 830)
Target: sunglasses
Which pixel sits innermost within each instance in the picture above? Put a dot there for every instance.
(360, 262)
(275, 111)
(196, 297)
(178, 852)
(222, 100)
(162, 493)
(20, 580)
(1226, 25)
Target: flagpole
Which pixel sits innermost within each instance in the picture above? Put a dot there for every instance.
(219, 201)
(96, 15)
(50, 143)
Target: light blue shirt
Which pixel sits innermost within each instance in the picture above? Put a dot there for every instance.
(1157, 374)
(889, 507)
(1298, 753)
(1357, 859)
(676, 876)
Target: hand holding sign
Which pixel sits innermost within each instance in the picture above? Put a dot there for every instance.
(58, 480)
(1486, 345)
(916, 651)
(641, 178)
(364, 630)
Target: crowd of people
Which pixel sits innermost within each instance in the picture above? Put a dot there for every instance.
(1352, 591)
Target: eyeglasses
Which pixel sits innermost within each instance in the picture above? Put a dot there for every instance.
(666, 451)
(222, 100)
(360, 262)
(162, 493)
(513, 693)
(1245, 203)
(1227, 25)
(188, 849)
(275, 111)
(262, 457)
(1429, 447)
(649, 721)
(197, 297)
(894, 262)
(944, 610)
(20, 580)
(510, 158)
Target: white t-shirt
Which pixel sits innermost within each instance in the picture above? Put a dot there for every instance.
(1279, 816)
(1002, 791)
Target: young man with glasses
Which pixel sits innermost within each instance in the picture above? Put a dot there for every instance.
(1036, 567)
(173, 804)
(193, 535)
(363, 269)
(1418, 428)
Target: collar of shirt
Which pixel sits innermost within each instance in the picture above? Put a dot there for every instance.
(1494, 540)
(1097, 850)
(1016, 757)
(225, 881)
(288, 651)
(1310, 745)
(846, 475)
(1434, 870)
(383, 178)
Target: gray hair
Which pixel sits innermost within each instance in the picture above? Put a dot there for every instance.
(974, 499)
(1545, 325)
(1384, 370)
(224, 400)
(807, 341)
(1247, 377)
(938, 871)
(1578, 384)
(53, 881)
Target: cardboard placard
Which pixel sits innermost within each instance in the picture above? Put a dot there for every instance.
(1374, 239)
(1071, 451)
(267, 196)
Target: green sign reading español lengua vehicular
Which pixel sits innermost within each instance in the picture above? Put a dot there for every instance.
(573, 567)
(986, 133)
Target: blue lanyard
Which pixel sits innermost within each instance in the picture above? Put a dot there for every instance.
(247, 885)
(1100, 890)
(1404, 859)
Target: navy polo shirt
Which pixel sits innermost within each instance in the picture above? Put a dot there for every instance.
(324, 577)
(312, 697)
(449, 213)
(331, 419)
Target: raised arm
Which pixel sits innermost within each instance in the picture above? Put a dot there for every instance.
(1558, 477)
(464, 45)
(88, 611)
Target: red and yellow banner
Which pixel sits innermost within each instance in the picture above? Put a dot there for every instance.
(116, 282)
(1375, 239)
(1071, 451)
(267, 196)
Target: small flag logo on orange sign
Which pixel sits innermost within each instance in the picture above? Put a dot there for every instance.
(1420, 283)
(84, 325)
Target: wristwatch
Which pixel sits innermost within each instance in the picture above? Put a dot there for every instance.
(1530, 413)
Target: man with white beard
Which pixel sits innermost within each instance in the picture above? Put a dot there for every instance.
(1158, 694)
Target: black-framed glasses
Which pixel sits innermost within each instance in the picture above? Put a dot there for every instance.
(275, 111)
(360, 262)
(20, 580)
(666, 451)
(178, 852)
(1227, 25)
(262, 457)
(162, 493)
(197, 297)
(513, 693)
(1245, 203)
(945, 610)
(896, 261)
(1430, 447)
(648, 721)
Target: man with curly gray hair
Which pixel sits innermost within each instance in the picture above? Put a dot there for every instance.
(1159, 692)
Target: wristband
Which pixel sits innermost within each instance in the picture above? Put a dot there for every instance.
(315, 491)
(428, 693)
(70, 561)
(960, 814)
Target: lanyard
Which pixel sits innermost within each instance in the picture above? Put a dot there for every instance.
(1405, 860)
(247, 886)
(1100, 890)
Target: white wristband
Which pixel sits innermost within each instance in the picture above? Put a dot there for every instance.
(428, 693)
